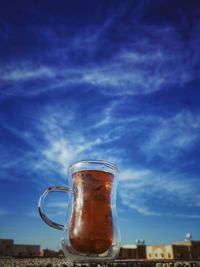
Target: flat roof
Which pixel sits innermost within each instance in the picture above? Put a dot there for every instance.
(129, 246)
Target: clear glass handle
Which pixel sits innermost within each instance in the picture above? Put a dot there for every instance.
(41, 205)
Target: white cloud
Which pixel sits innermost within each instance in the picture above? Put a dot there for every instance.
(59, 144)
(144, 70)
(122, 81)
(132, 70)
(138, 188)
(64, 146)
(59, 151)
(136, 175)
(66, 151)
(26, 72)
(131, 56)
(157, 136)
(172, 135)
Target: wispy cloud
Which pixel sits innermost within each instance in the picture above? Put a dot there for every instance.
(26, 73)
(60, 144)
(151, 193)
(155, 136)
(173, 135)
(132, 69)
(63, 143)
(64, 150)
(136, 73)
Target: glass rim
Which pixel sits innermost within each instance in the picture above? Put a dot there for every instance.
(79, 163)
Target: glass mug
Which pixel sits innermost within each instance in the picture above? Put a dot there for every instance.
(91, 232)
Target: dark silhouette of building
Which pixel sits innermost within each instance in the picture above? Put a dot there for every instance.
(132, 252)
(8, 248)
(48, 253)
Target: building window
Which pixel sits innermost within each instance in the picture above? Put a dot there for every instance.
(169, 255)
(162, 255)
(156, 255)
(149, 255)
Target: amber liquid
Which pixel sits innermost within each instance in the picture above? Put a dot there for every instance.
(91, 228)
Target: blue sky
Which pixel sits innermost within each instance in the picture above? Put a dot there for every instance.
(112, 80)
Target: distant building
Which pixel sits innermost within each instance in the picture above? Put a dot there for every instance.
(185, 250)
(51, 253)
(26, 250)
(127, 252)
(193, 248)
(8, 248)
(160, 252)
(132, 252)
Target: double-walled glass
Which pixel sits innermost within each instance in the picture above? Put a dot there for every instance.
(91, 232)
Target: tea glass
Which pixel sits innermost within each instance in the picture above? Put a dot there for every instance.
(91, 232)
